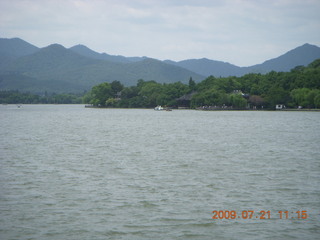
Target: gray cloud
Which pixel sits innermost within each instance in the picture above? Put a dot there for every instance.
(242, 32)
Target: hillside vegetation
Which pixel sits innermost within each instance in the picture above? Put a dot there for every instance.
(299, 87)
(56, 69)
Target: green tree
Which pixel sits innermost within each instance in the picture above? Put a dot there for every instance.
(116, 87)
(101, 93)
(276, 95)
(151, 93)
(192, 85)
(237, 101)
(311, 98)
(300, 96)
(210, 97)
(317, 101)
(111, 102)
(174, 91)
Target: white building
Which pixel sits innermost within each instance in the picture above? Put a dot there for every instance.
(280, 106)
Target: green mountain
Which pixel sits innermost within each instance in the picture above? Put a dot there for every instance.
(57, 69)
(16, 47)
(87, 52)
(25, 67)
(209, 67)
(49, 61)
(11, 49)
(300, 56)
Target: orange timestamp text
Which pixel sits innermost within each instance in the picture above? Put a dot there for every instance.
(251, 214)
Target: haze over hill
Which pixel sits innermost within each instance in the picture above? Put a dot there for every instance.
(57, 69)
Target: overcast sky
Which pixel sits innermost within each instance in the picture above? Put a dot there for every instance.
(241, 32)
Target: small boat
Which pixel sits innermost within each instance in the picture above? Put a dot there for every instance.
(158, 108)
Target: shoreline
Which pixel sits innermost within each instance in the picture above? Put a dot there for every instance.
(221, 109)
(194, 109)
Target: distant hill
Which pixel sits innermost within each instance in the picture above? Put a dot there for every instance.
(14, 48)
(49, 61)
(209, 67)
(87, 52)
(44, 71)
(55, 68)
(300, 56)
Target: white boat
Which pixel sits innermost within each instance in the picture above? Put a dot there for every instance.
(158, 108)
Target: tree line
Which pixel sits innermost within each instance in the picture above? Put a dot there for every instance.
(299, 87)
(16, 97)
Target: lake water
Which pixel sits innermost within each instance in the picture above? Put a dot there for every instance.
(69, 172)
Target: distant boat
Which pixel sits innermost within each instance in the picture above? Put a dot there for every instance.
(158, 108)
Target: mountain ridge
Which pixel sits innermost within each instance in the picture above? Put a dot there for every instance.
(16, 47)
(80, 68)
(301, 55)
(55, 63)
(85, 51)
(11, 49)
(207, 67)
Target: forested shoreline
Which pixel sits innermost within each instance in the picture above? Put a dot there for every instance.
(298, 88)
(16, 97)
